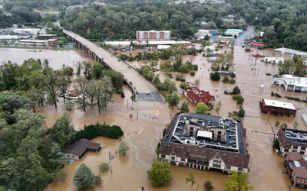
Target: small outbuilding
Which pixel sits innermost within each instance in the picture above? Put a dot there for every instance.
(79, 148)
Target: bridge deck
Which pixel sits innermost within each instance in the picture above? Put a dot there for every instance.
(138, 81)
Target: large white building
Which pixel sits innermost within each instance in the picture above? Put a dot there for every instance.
(27, 31)
(291, 83)
(153, 35)
(234, 32)
(275, 60)
(291, 52)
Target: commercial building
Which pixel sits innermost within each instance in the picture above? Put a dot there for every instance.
(153, 35)
(196, 96)
(202, 33)
(275, 60)
(50, 42)
(229, 39)
(77, 150)
(234, 32)
(205, 142)
(277, 107)
(150, 43)
(27, 31)
(48, 36)
(291, 52)
(291, 83)
(292, 140)
(296, 165)
(13, 37)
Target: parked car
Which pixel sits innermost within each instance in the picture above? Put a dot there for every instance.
(146, 93)
(136, 92)
(134, 87)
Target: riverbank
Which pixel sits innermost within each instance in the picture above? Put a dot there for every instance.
(47, 48)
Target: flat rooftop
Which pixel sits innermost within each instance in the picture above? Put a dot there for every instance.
(295, 136)
(206, 123)
(290, 51)
(279, 104)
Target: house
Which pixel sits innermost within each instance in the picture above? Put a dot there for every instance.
(196, 96)
(292, 140)
(291, 83)
(296, 165)
(52, 42)
(77, 150)
(74, 93)
(277, 107)
(205, 142)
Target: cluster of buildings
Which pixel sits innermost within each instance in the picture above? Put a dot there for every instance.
(85, 5)
(293, 145)
(291, 52)
(205, 142)
(274, 60)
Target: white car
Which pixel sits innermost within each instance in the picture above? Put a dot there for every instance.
(146, 93)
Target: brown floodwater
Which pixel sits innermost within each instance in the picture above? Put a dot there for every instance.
(143, 131)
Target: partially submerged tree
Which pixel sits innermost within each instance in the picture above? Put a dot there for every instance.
(184, 107)
(201, 108)
(237, 181)
(84, 178)
(123, 148)
(160, 173)
(190, 178)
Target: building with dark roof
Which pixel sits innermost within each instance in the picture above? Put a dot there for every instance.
(77, 150)
(205, 142)
(292, 140)
(296, 165)
(196, 96)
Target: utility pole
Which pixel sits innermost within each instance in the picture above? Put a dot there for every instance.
(137, 115)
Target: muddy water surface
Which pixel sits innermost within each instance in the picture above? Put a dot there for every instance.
(144, 130)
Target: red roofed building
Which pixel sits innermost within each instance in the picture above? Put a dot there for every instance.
(296, 166)
(256, 44)
(195, 95)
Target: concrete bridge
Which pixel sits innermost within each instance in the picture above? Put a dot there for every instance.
(146, 90)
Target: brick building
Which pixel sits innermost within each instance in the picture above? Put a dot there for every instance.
(205, 142)
(277, 107)
(292, 140)
(153, 35)
(296, 165)
(195, 95)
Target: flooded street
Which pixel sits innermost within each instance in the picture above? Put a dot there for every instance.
(143, 132)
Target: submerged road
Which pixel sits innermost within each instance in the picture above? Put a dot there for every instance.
(139, 83)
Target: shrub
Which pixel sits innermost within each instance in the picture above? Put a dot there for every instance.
(272, 94)
(195, 67)
(98, 180)
(234, 97)
(225, 79)
(241, 113)
(178, 78)
(276, 144)
(164, 94)
(277, 95)
(122, 95)
(114, 132)
(226, 92)
(232, 81)
(182, 80)
(192, 73)
(104, 166)
(268, 74)
(235, 117)
(247, 49)
(236, 90)
(240, 100)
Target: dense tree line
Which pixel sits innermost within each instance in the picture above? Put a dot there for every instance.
(43, 85)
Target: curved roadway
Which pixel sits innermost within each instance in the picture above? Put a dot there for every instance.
(138, 81)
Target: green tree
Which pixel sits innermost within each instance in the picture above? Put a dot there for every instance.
(117, 78)
(208, 185)
(236, 90)
(84, 178)
(172, 99)
(160, 173)
(184, 107)
(62, 82)
(51, 84)
(172, 87)
(60, 176)
(190, 178)
(98, 180)
(225, 79)
(215, 76)
(104, 166)
(295, 124)
(82, 85)
(241, 112)
(237, 182)
(196, 82)
(97, 71)
(184, 86)
(123, 148)
(63, 131)
(88, 69)
(156, 80)
(240, 100)
(276, 144)
(201, 108)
